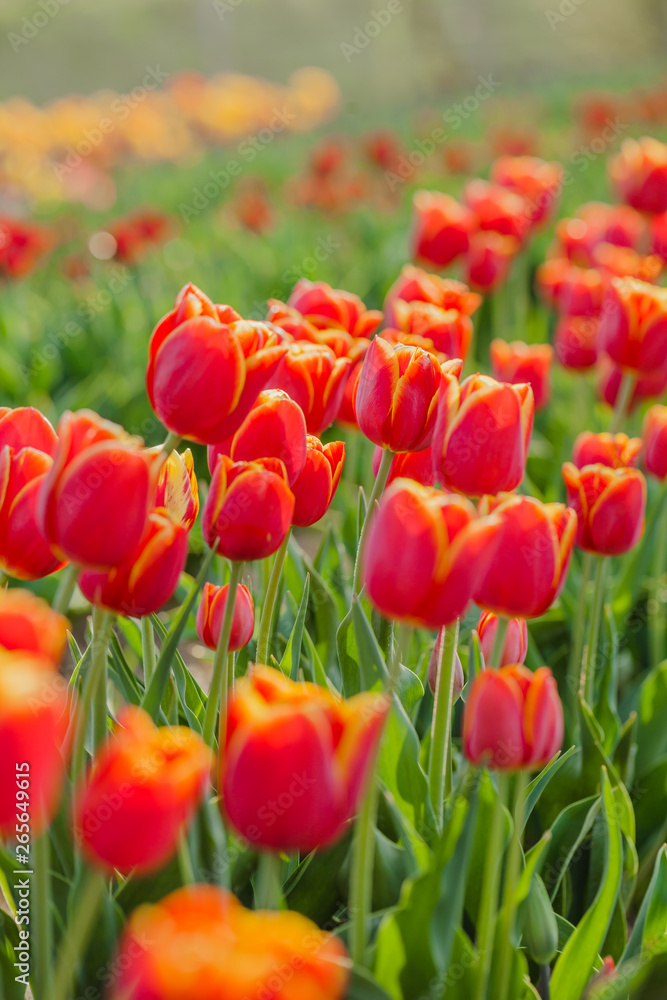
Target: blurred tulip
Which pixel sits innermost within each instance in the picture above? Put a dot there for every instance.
(425, 554)
(622, 262)
(143, 788)
(610, 505)
(537, 181)
(633, 331)
(533, 545)
(313, 377)
(618, 451)
(581, 291)
(488, 261)
(549, 278)
(211, 610)
(576, 240)
(518, 363)
(417, 465)
(441, 228)
(315, 488)
(326, 307)
(658, 236)
(620, 225)
(200, 941)
(94, 502)
(576, 342)
(639, 174)
(515, 647)
(140, 232)
(296, 760)
(26, 427)
(449, 330)
(177, 489)
(648, 386)
(248, 508)
(482, 433)
(415, 285)
(654, 433)
(22, 246)
(498, 209)
(434, 663)
(28, 625)
(513, 719)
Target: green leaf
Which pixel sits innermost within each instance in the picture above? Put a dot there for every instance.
(538, 784)
(289, 663)
(190, 696)
(652, 731)
(568, 832)
(651, 923)
(606, 708)
(363, 987)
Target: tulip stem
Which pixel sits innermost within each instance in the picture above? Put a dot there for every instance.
(376, 493)
(623, 398)
(496, 657)
(93, 681)
(185, 867)
(441, 725)
(43, 926)
(101, 628)
(218, 693)
(489, 900)
(591, 651)
(66, 586)
(148, 648)
(171, 442)
(268, 608)
(578, 630)
(77, 934)
(267, 882)
(512, 872)
(361, 871)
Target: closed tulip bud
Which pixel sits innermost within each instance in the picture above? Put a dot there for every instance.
(212, 609)
(425, 554)
(313, 377)
(415, 285)
(540, 927)
(639, 174)
(576, 342)
(24, 551)
(206, 367)
(441, 228)
(618, 451)
(537, 181)
(654, 433)
(396, 396)
(581, 291)
(533, 547)
(488, 261)
(248, 508)
(145, 581)
(517, 363)
(29, 625)
(315, 488)
(610, 505)
(449, 330)
(26, 427)
(515, 647)
(482, 433)
(94, 502)
(648, 386)
(549, 278)
(34, 716)
(633, 331)
(458, 680)
(326, 307)
(417, 465)
(274, 428)
(142, 790)
(498, 209)
(177, 489)
(200, 941)
(296, 760)
(513, 719)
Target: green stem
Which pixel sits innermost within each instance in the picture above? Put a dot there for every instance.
(267, 882)
(376, 493)
(498, 643)
(171, 442)
(441, 726)
(93, 682)
(77, 934)
(43, 924)
(66, 586)
(218, 694)
(625, 391)
(361, 872)
(658, 619)
(185, 860)
(268, 608)
(489, 901)
(512, 872)
(101, 628)
(591, 651)
(574, 667)
(148, 653)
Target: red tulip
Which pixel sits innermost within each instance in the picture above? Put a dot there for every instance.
(576, 342)
(576, 240)
(417, 465)
(581, 291)
(536, 180)
(177, 489)
(533, 546)
(206, 367)
(515, 647)
(248, 509)
(415, 285)
(449, 330)
(425, 554)
(549, 278)
(313, 377)
(498, 209)
(346, 415)
(639, 174)
(658, 236)
(28, 625)
(482, 433)
(618, 224)
(26, 427)
(143, 788)
(211, 611)
(488, 261)
(315, 488)
(296, 760)
(326, 307)
(434, 668)
(654, 433)
(441, 228)
(517, 363)
(94, 502)
(610, 505)
(513, 719)
(648, 386)
(622, 262)
(633, 331)
(618, 451)
(22, 245)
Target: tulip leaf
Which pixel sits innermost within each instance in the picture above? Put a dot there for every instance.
(649, 798)
(575, 965)
(121, 674)
(10, 988)
(191, 697)
(606, 708)
(538, 784)
(652, 711)
(292, 655)
(319, 674)
(363, 987)
(568, 832)
(651, 923)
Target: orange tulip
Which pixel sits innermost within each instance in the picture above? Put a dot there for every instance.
(639, 174)
(498, 209)
(537, 181)
(549, 278)
(415, 285)
(211, 611)
(633, 331)
(296, 760)
(315, 488)
(610, 505)
(515, 647)
(326, 307)
(618, 451)
(654, 433)
(28, 625)
(620, 225)
(517, 363)
(313, 377)
(449, 330)
(441, 228)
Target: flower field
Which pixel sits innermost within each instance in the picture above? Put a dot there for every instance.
(333, 541)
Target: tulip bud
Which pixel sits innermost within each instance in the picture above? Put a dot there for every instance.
(537, 181)
(654, 433)
(575, 341)
(639, 174)
(498, 209)
(248, 508)
(441, 228)
(515, 647)
(297, 746)
(513, 719)
(326, 307)
(448, 330)
(211, 611)
(517, 363)
(28, 625)
(540, 929)
(199, 941)
(415, 285)
(315, 378)
(177, 489)
(581, 291)
(489, 258)
(143, 788)
(24, 551)
(618, 451)
(458, 680)
(633, 330)
(315, 488)
(26, 427)
(610, 505)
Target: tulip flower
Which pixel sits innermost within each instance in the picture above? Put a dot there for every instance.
(537, 181)
(658, 236)
(296, 760)
(313, 377)
(576, 240)
(622, 262)
(177, 489)
(274, 428)
(248, 508)
(639, 174)
(654, 433)
(415, 285)
(515, 646)
(94, 502)
(417, 465)
(315, 488)
(441, 228)
(210, 613)
(581, 291)
(449, 330)
(396, 396)
(633, 331)
(549, 278)
(518, 362)
(498, 209)
(610, 505)
(206, 367)
(26, 427)
(620, 225)
(482, 433)
(326, 307)
(346, 415)
(489, 258)
(618, 451)
(34, 717)
(143, 788)
(533, 546)
(28, 625)
(425, 554)
(513, 719)
(576, 342)
(200, 941)
(458, 682)
(649, 386)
